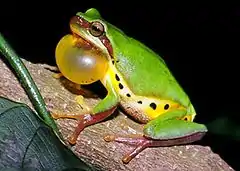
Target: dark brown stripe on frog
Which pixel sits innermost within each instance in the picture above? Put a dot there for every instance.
(80, 21)
(106, 42)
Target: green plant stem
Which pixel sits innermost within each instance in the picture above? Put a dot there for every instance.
(27, 82)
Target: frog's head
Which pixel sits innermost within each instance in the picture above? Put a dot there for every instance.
(91, 28)
(84, 56)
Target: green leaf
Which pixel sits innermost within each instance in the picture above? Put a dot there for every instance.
(26, 143)
(27, 83)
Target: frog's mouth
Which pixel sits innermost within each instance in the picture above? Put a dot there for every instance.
(77, 22)
(80, 42)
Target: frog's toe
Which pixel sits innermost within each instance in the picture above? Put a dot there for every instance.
(79, 99)
(58, 115)
(139, 141)
(131, 140)
(57, 75)
(55, 115)
(109, 138)
(73, 138)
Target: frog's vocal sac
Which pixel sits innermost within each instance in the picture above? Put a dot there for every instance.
(136, 79)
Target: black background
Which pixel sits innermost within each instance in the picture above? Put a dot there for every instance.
(200, 44)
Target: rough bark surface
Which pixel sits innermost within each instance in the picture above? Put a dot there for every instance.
(90, 146)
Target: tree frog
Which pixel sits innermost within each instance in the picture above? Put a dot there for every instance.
(136, 78)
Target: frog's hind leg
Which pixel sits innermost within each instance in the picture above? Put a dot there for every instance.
(165, 130)
(143, 142)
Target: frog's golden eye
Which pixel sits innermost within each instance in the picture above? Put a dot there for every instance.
(96, 29)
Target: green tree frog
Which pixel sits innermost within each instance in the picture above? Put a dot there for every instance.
(135, 77)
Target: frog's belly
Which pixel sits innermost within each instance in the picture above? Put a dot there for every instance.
(135, 109)
(145, 109)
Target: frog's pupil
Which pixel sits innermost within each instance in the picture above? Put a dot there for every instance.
(95, 28)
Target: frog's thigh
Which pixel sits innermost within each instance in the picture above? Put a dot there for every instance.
(166, 128)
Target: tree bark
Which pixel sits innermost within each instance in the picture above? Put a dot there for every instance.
(91, 146)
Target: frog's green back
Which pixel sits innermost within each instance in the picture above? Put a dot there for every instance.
(146, 72)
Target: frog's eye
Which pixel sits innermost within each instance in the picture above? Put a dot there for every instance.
(79, 65)
(96, 29)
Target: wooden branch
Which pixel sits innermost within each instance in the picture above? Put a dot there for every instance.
(90, 146)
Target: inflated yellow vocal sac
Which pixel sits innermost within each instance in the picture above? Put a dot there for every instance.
(78, 61)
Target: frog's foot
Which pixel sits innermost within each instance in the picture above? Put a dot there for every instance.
(143, 142)
(84, 120)
(140, 142)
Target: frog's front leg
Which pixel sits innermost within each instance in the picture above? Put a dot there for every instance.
(165, 130)
(100, 112)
